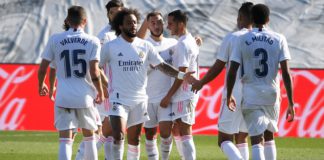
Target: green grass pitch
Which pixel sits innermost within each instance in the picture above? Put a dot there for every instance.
(44, 146)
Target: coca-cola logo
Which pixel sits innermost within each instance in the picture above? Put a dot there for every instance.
(11, 106)
(309, 103)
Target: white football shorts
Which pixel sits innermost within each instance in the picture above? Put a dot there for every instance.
(71, 118)
(230, 122)
(157, 114)
(133, 115)
(258, 119)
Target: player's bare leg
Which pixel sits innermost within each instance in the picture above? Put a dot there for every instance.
(133, 138)
(188, 146)
(257, 147)
(242, 144)
(118, 126)
(90, 149)
(166, 139)
(270, 151)
(66, 142)
(151, 144)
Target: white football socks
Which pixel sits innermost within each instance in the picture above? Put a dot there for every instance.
(166, 147)
(258, 152)
(244, 150)
(118, 150)
(65, 149)
(188, 147)
(230, 150)
(90, 148)
(270, 151)
(151, 149)
(133, 152)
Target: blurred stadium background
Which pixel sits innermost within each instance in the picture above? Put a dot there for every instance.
(27, 24)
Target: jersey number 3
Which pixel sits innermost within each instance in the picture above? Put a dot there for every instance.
(75, 61)
(262, 71)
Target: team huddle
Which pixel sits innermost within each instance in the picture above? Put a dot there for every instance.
(123, 81)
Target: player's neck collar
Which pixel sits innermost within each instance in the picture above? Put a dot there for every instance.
(76, 29)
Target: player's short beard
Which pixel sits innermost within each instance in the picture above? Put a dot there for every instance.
(129, 34)
(156, 35)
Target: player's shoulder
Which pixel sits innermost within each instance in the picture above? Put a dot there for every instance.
(102, 32)
(170, 40)
(57, 36)
(92, 39)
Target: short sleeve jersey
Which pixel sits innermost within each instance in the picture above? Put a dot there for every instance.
(70, 53)
(106, 35)
(186, 55)
(128, 64)
(224, 54)
(158, 83)
(259, 52)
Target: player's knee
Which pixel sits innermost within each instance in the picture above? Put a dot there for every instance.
(134, 140)
(241, 138)
(150, 134)
(256, 139)
(165, 134)
(119, 136)
(222, 137)
(268, 136)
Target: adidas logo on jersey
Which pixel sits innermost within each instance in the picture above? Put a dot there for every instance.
(120, 54)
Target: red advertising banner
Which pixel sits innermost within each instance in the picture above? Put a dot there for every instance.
(22, 109)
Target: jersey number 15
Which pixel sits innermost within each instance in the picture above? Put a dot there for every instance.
(76, 60)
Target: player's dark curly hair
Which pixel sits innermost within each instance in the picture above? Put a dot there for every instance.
(119, 18)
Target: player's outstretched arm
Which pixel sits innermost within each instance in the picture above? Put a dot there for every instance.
(289, 89)
(230, 81)
(96, 80)
(42, 87)
(212, 73)
(173, 72)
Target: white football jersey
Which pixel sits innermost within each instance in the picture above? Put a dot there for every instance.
(224, 55)
(186, 55)
(128, 65)
(106, 35)
(71, 51)
(158, 83)
(259, 52)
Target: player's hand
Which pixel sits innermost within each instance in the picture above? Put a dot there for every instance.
(196, 86)
(199, 41)
(165, 102)
(188, 78)
(290, 115)
(43, 90)
(231, 104)
(99, 99)
(51, 93)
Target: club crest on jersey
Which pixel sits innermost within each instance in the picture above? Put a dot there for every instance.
(141, 54)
